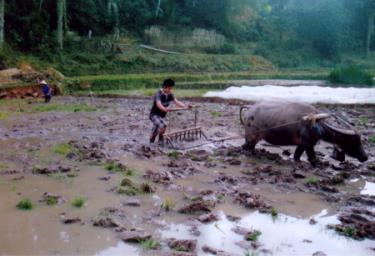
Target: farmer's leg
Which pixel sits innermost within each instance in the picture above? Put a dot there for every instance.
(155, 128)
(162, 128)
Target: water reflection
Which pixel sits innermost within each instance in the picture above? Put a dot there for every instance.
(282, 236)
(369, 189)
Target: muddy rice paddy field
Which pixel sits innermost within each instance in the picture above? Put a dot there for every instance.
(96, 186)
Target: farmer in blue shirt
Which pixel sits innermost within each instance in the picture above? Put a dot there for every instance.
(47, 91)
(162, 99)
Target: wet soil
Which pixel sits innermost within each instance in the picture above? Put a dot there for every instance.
(147, 199)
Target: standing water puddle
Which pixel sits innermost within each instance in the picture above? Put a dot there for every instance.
(369, 189)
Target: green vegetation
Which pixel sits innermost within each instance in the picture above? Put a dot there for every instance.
(118, 167)
(64, 108)
(174, 154)
(126, 182)
(168, 204)
(312, 181)
(347, 231)
(51, 200)
(351, 75)
(128, 187)
(215, 113)
(25, 204)
(149, 244)
(253, 235)
(78, 202)
(372, 139)
(3, 166)
(274, 212)
(4, 115)
(63, 149)
(363, 120)
(146, 188)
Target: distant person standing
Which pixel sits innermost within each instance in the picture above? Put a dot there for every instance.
(47, 91)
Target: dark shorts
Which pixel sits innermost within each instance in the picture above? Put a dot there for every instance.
(158, 122)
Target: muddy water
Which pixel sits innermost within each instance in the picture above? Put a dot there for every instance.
(27, 140)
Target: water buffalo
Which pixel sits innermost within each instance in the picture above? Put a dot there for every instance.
(297, 124)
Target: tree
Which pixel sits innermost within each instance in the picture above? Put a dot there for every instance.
(2, 3)
(61, 14)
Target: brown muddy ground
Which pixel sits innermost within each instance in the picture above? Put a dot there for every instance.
(212, 199)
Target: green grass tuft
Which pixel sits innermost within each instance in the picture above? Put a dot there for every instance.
(62, 149)
(215, 114)
(117, 167)
(253, 235)
(64, 108)
(78, 202)
(174, 154)
(372, 139)
(168, 204)
(274, 212)
(312, 181)
(25, 204)
(149, 244)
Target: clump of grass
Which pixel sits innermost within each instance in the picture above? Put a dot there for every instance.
(64, 108)
(372, 139)
(78, 202)
(168, 204)
(174, 154)
(221, 197)
(116, 167)
(215, 114)
(363, 120)
(149, 244)
(126, 182)
(312, 181)
(350, 75)
(51, 200)
(253, 235)
(130, 172)
(347, 231)
(25, 204)
(274, 212)
(62, 149)
(129, 191)
(3, 166)
(146, 188)
(4, 115)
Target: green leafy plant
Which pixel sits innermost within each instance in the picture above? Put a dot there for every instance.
(78, 202)
(150, 244)
(312, 181)
(62, 149)
(174, 154)
(372, 139)
(168, 204)
(274, 212)
(253, 235)
(25, 204)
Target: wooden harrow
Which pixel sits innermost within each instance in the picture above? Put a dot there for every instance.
(187, 134)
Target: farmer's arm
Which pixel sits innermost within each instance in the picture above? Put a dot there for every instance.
(160, 106)
(180, 104)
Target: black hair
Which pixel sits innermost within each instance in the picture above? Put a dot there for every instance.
(168, 83)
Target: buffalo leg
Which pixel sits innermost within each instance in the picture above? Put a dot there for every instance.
(311, 156)
(249, 145)
(298, 153)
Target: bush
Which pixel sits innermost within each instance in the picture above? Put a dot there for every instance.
(350, 75)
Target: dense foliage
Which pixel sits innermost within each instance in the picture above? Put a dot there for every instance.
(286, 32)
